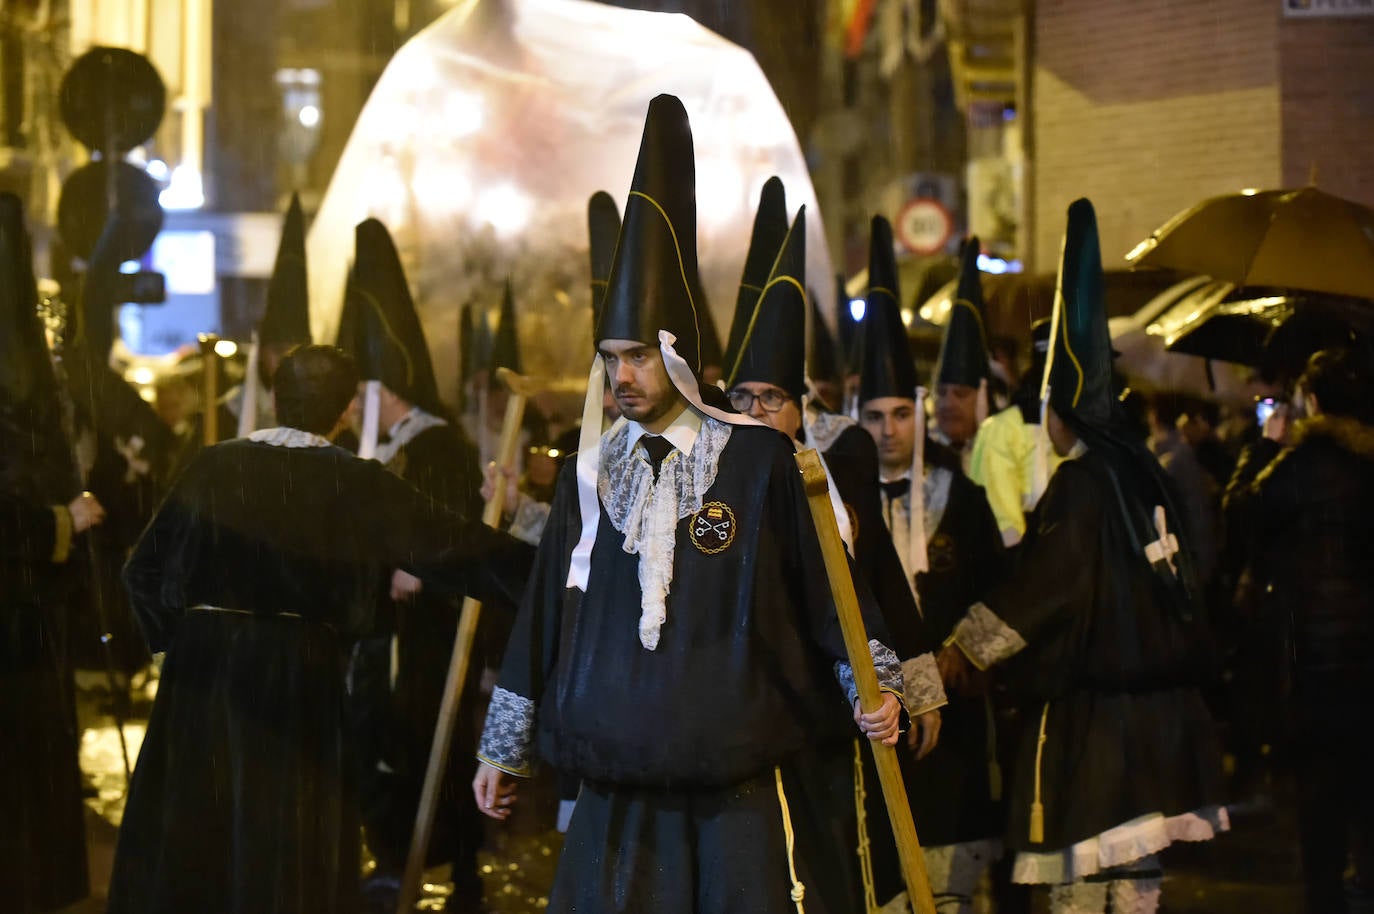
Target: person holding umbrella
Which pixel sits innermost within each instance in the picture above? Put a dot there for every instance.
(1303, 506)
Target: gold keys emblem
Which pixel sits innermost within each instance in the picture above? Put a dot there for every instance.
(713, 527)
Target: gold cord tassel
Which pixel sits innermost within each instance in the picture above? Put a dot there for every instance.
(1037, 810)
(865, 848)
(798, 890)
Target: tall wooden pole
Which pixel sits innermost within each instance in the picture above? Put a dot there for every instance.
(861, 661)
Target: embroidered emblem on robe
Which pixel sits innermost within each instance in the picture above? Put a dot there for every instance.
(713, 527)
(942, 553)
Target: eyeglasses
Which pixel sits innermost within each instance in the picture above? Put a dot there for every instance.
(771, 400)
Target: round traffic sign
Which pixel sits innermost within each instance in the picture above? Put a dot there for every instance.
(924, 226)
(83, 208)
(112, 99)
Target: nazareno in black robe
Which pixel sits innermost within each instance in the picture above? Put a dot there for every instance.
(951, 789)
(42, 829)
(395, 726)
(742, 680)
(243, 800)
(1113, 665)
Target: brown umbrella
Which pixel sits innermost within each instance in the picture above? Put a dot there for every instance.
(1290, 239)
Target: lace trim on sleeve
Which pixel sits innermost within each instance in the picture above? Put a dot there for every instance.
(885, 664)
(922, 689)
(529, 522)
(508, 737)
(986, 639)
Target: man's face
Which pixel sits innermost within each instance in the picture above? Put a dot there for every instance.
(892, 423)
(639, 381)
(786, 418)
(956, 412)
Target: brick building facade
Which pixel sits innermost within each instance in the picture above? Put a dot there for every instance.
(1149, 107)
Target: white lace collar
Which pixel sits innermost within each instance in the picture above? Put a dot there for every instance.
(282, 436)
(405, 430)
(647, 509)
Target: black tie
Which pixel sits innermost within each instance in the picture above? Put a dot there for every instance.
(896, 488)
(657, 447)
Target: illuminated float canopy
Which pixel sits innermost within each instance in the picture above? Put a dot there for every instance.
(489, 130)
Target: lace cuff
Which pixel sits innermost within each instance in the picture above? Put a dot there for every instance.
(530, 518)
(885, 664)
(508, 737)
(921, 686)
(984, 638)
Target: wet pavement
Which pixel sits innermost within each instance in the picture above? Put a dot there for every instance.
(1252, 870)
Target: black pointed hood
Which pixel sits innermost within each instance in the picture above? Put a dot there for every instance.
(389, 343)
(26, 371)
(773, 348)
(286, 319)
(886, 367)
(654, 272)
(1079, 371)
(822, 359)
(1082, 393)
(603, 228)
(505, 350)
(964, 348)
(770, 228)
(847, 326)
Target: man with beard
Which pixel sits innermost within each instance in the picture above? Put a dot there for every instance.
(678, 647)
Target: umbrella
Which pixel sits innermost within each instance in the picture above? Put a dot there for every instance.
(1290, 239)
(1276, 333)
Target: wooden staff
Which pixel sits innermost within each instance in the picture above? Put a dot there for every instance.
(861, 661)
(521, 389)
(209, 366)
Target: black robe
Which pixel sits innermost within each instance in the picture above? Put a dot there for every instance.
(394, 730)
(242, 799)
(741, 681)
(1112, 665)
(951, 790)
(42, 829)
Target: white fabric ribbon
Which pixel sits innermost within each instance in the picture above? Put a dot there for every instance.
(916, 508)
(836, 502)
(248, 407)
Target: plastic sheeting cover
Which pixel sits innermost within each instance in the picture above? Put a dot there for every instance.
(489, 130)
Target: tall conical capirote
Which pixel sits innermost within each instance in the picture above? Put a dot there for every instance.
(886, 366)
(847, 327)
(711, 354)
(603, 228)
(1078, 375)
(773, 348)
(286, 318)
(765, 241)
(389, 343)
(26, 372)
(822, 359)
(654, 271)
(964, 348)
(505, 352)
